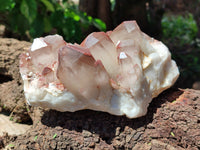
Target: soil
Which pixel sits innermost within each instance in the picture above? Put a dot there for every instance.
(11, 88)
(172, 121)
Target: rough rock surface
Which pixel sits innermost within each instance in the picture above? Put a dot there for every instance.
(172, 121)
(169, 124)
(11, 89)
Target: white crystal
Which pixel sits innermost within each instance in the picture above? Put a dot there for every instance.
(122, 55)
(117, 72)
(37, 44)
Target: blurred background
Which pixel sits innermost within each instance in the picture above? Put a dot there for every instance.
(175, 22)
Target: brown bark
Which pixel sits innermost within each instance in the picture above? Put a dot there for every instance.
(155, 13)
(148, 15)
(97, 9)
(131, 10)
(126, 10)
(104, 12)
(88, 6)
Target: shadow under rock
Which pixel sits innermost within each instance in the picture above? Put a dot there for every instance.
(103, 123)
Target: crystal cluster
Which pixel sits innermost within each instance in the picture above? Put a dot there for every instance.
(117, 72)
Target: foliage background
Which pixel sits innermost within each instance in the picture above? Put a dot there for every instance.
(180, 35)
(34, 18)
(177, 26)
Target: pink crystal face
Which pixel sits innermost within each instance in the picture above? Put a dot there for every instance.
(102, 48)
(41, 60)
(82, 75)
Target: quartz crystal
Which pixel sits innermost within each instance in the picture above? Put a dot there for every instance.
(118, 72)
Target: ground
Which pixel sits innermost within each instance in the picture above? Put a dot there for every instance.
(172, 121)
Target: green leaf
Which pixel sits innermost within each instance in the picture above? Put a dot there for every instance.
(48, 5)
(6, 5)
(16, 22)
(99, 24)
(11, 118)
(37, 27)
(173, 101)
(172, 134)
(35, 138)
(11, 145)
(54, 136)
(90, 18)
(113, 3)
(71, 14)
(47, 25)
(29, 9)
(57, 19)
(75, 16)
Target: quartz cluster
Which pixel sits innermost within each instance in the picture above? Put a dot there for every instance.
(118, 72)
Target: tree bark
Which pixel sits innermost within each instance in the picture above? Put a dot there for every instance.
(104, 13)
(148, 15)
(97, 9)
(131, 10)
(89, 6)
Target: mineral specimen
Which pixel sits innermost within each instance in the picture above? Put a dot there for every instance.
(117, 72)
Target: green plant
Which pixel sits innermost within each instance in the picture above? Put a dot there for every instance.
(55, 135)
(11, 145)
(35, 138)
(113, 3)
(189, 63)
(179, 34)
(40, 17)
(172, 134)
(179, 29)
